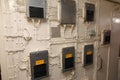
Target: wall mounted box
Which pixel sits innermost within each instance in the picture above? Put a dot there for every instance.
(39, 65)
(89, 12)
(88, 54)
(36, 8)
(106, 37)
(68, 58)
(68, 12)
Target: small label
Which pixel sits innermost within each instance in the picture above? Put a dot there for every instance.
(69, 55)
(40, 62)
(89, 53)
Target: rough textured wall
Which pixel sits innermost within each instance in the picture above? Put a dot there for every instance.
(21, 35)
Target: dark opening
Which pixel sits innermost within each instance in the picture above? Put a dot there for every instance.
(36, 12)
(40, 71)
(69, 63)
(90, 10)
(89, 59)
(90, 15)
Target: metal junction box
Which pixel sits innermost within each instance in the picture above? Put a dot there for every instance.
(89, 12)
(88, 54)
(68, 12)
(36, 8)
(68, 58)
(39, 65)
(106, 37)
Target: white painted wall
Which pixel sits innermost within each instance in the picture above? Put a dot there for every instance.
(20, 35)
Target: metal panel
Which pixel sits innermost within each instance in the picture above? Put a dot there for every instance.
(55, 32)
(88, 54)
(39, 64)
(36, 8)
(68, 58)
(90, 11)
(68, 12)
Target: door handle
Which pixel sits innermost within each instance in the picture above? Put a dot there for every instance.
(100, 63)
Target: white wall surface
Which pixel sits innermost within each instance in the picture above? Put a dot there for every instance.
(20, 35)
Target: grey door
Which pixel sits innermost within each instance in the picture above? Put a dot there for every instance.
(108, 58)
(114, 51)
(103, 63)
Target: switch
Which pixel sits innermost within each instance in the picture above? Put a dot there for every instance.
(89, 12)
(39, 64)
(68, 12)
(68, 58)
(36, 9)
(88, 54)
